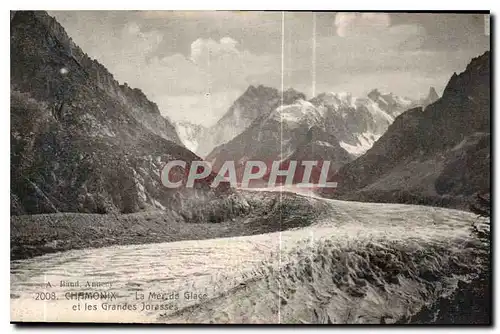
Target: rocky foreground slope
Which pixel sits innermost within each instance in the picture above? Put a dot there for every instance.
(80, 141)
(237, 214)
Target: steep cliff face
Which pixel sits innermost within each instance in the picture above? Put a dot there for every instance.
(295, 131)
(79, 140)
(39, 44)
(318, 146)
(273, 135)
(435, 155)
(252, 104)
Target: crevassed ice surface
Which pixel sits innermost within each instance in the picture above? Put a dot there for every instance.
(363, 262)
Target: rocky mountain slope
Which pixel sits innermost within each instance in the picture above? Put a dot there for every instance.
(80, 141)
(317, 145)
(254, 102)
(357, 122)
(438, 155)
(346, 126)
(275, 136)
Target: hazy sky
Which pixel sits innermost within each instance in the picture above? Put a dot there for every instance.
(195, 64)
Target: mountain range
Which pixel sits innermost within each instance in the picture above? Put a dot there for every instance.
(439, 155)
(254, 102)
(347, 127)
(357, 122)
(82, 142)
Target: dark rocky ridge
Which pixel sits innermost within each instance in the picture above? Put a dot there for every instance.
(30, 52)
(440, 155)
(313, 147)
(80, 142)
(318, 146)
(252, 104)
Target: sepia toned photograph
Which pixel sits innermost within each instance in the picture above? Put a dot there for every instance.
(250, 167)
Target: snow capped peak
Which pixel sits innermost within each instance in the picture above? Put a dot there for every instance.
(299, 112)
(189, 134)
(389, 103)
(374, 108)
(388, 98)
(403, 100)
(304, 103)
(374, 94)
(383, 97)
(341, 95)
(335, 100)
(300, 108)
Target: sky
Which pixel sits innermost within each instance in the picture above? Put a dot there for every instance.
(195, 64)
